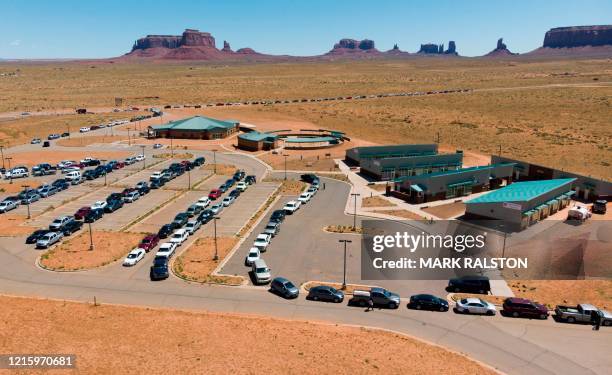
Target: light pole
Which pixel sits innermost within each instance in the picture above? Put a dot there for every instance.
(171, 148)
(215, 218)
(344, 277)
(129, 143)
(91, 244)
(215, 161)
(355, 195)
(285, 156)
(103, 162)
(144, 163)
(26, 187)
(2, 154)
(189, 179)
(8, 158)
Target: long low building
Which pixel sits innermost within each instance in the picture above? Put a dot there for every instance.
(196, 127)
(453, 183)
(356, 155)
(391, 168)
(522, 204)
(255, 141)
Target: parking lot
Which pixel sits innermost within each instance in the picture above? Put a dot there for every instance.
(142, 175)
(303, 252)
(56, 200)
(196, 175)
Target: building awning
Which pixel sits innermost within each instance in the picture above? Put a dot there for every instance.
(416, 188)
(463, 183)
(552, 201)
(542, 207)
(569, 194)
(529, 213)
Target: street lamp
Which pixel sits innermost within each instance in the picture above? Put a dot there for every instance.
(188, 179)
(344, 277)
(26, 187)
(129, 143)
(215, 218)
(8, 158)
(103, 162)
(285, 156)
(2, 154)
(144, 163)
(171, 148)
(215, 160)
(355, 195)
(91, 244)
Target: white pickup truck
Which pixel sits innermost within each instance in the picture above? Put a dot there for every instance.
(581, 314)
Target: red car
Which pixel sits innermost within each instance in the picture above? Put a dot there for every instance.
(82, 212)
(215, 193)
(521, 307)
(119, 164)
(149, 242)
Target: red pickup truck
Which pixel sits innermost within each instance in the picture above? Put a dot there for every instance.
(214, 194)
(149, 242)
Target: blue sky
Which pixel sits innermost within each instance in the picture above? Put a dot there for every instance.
(107, 28)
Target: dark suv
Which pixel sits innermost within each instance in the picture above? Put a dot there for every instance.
(309, 178)
(599, 206)
(284, 288)
(72, 227)
(427, 302)
(278, 216)
(469, 284)
(159, 269)
(521, 307)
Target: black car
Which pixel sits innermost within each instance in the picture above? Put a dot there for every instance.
(250, 179)
(65, 134)
(205, 216)
(599, 206)
(469, 284)
(93, 162)
(427, 302)
(165, 231)
(229, 183)
(90, 174)
(325, 293)
(101, 170)
(144, 189)
(180, 220)
(199, 161)
(234, 193)
(284, 288)
(114, 197)
(278, 216)
(61, 184)
(223, 188)
(156, 183)
(36, 235)
(159, 269)
(108, 168)
(71, 227)
(46, 144)
(309, 178)
(113, 205)
(94, 215)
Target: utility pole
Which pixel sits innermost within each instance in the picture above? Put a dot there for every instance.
(144, 163)
(344, 272)
(26, 187)
(499, 149)
(103, 162)
(171, 148)
(215, 218)
(438, 137)
(215, 161)
(2, 154)
(91, 244)
(8, 158)
(129, 143)
(189, 179)
(355, 195)
(285, 156)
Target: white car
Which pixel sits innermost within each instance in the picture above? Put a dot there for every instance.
(312, 190)
(227, 201)
(87, 160)
(7, 206)
(131, 197)
(65, 164)
(192, 226)
(179, 236)
(203, 202)
(166, 250)
(16, 173)
(140, 157)
(242, 186)
(217, 208)
(130, 160)
(99, 205)
(475, 306)
(252, 256)
(304, 198)
(134, 257)
(70, 169)
(156, 175)
(84, 129)
(262, 241)
(291, 207)
(49, 239)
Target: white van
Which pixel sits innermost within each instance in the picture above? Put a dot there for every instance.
(73, 176)
(261, 272)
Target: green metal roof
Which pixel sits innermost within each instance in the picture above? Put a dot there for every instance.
(522, 191)
(257, 136)
(196, 123)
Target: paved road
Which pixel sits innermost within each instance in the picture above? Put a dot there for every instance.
(516, 346)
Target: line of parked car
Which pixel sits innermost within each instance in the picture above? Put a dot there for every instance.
(160, 178)
(67, 224)
(259, 269)
(187, 223)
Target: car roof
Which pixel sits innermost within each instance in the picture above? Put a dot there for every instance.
(472, 300)
(260, 263)
(517, 300)
(281, 280)
(180, 231)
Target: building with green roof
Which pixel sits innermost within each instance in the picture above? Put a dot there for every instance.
(522, 203)
(453, 183)
(255, 141)
(196, 127)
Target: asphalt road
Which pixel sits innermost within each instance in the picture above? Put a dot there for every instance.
(517, 346)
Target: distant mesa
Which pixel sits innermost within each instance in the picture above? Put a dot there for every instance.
(191, 45)
(593, 40)
(438, 49)
(353, 46)
(500, 50)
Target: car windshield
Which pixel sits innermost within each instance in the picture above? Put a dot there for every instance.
(132, 256)
(261, 270)
(253, 254)
(289, 285)
(463, 301)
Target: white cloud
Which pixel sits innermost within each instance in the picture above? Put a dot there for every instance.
(15, 42)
